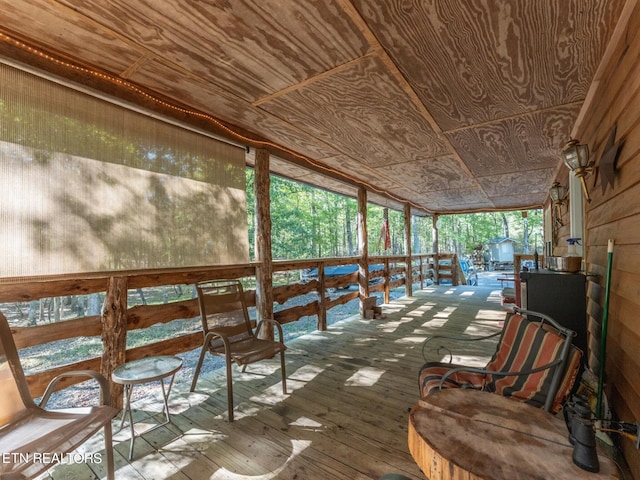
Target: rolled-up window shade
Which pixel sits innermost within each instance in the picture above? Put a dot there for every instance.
(86, 185)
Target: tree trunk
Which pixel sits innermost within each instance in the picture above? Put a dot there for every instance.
(349, 230)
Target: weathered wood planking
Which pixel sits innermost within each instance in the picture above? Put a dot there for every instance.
(144, 316)
(28, 289)
(346, 414)
(614, 214)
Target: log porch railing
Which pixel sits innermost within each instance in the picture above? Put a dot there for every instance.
(117, 318)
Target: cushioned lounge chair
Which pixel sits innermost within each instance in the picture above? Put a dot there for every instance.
(534, 362)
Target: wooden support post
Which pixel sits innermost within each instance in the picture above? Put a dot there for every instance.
(455, 276)
(322, 307)
(114, 333)
(434, 227)
(363, 246)
(264, 269)
(436, 262)
(387, 281)
(408, 284)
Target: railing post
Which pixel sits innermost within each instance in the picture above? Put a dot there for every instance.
(114, 333)
(408, 271)
(264, 271)
(322, 306)
(363, 247)
(387, 281)
(454, 270)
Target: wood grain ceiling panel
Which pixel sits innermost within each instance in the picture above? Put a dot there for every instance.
(434, 174)
(517, 201)
(518, 144)
(63, 31)
(359, 171)
(472, 61)
(536, 184)
(452, 200)
(279, 166)
(363, 112)
(221, 104)
(252, 49)
(360, 85)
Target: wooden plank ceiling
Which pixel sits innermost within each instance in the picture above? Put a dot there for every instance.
(451, 105)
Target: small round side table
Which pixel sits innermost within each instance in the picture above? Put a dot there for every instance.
(141, 371)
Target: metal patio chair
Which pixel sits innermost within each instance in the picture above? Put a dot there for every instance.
(29, 434)
(534, 362)
(228, 332)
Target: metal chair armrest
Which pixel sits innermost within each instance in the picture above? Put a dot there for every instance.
(456, 338)
(273, 322)
(105, 393)
(211, 334)
(497, 373)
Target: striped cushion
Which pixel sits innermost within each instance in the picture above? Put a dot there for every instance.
(568, 379)
(432, 372)
(524, 345)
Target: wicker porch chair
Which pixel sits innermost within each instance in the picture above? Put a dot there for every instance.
(534, 362)
(29, 434)
(228, 332)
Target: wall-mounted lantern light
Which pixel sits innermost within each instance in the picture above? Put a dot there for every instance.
(558, 194)
(576, 157)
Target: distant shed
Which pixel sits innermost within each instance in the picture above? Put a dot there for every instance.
(501, 250)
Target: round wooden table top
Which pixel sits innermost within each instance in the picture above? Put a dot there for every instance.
(456, 433)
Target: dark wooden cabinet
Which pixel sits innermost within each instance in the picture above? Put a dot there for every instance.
(562, 296)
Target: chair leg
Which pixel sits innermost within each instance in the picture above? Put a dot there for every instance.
(229, 391)
(108, 450)
(284, 373)
(203, 352)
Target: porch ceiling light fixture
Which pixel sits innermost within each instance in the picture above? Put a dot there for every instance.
(558, 194)
(576, 157)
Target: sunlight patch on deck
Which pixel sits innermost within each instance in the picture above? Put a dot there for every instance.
(445, 313)
(307, 373)
(410, 340)
(297, 447)
(364, 377)
(306, 423)
(421, 310)
(484, 314)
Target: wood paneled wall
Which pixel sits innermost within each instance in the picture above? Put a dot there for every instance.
(615, 213)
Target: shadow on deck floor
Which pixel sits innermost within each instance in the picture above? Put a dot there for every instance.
(344, 416)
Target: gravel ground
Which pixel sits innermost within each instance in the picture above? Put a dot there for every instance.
(86, 393)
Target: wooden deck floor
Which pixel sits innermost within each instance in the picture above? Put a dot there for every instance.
(345, 414)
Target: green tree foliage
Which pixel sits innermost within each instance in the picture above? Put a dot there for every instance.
(308, 222)
(462, 233)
